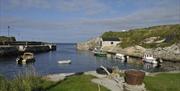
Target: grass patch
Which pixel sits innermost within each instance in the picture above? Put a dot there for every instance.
(160, 82)
(24, 83)
(77, 83)
(36, 83)
(133, 37)
(163, 82)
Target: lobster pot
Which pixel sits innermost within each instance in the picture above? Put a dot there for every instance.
(134, 77)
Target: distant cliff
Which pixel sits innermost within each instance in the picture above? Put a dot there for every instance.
(88, 45)
(162, 41)
(7, 39)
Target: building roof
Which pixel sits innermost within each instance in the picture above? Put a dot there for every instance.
(111, 39)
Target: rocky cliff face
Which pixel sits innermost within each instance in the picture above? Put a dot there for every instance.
(167, 53)
(88, 45)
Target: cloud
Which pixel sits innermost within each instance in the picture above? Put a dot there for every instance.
(150, 13)
(163, 15)
(89, 7)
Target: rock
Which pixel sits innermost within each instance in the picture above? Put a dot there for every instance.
(160, 41)
(93, 73)
(109, 83)
(150, 40)
(89, 45)
(128, 87)
(153, 40)
(58, 77)
(168, 53)
(171, 53)
(169, 66)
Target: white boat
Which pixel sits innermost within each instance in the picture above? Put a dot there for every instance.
(64, 62)
(120, 56)
(149, 65)
(149, 59)
(26, 57)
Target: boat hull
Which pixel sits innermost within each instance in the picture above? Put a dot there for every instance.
(65, 62)
(100, 54)
(24, 61)
(150, 61)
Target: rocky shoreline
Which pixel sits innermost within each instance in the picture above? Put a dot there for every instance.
(170, 55)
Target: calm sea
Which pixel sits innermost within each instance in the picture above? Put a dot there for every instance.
(46, 63)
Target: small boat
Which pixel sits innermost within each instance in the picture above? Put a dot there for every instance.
(100, 54)
(104, 70)
(149, 59)
(120, 56)
(64, 62)
(149, 65)
(25, 58)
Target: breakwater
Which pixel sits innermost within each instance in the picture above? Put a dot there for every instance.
(8, 51)
(15, 48)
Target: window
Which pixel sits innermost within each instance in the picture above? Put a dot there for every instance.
(111, 43)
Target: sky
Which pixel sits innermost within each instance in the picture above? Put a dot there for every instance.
(70, 21)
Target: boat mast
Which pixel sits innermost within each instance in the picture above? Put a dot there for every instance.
(8, 30)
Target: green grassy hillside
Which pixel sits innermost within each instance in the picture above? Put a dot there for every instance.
(170, 34)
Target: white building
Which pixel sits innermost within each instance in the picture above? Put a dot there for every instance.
(109, 42)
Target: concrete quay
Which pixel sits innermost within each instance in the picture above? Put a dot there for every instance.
(14, 50)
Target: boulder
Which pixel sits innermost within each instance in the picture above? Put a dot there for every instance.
(89, 45)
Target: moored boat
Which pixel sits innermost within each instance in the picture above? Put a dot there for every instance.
(149, 59)
(100, 54)
(64, 62)
(120, 56)
(25, 58)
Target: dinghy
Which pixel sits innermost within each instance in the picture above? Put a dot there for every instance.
(64, 62)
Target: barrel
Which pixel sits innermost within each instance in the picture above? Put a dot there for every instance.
(134, 77)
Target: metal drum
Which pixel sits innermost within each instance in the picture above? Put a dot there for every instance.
(134, 77)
